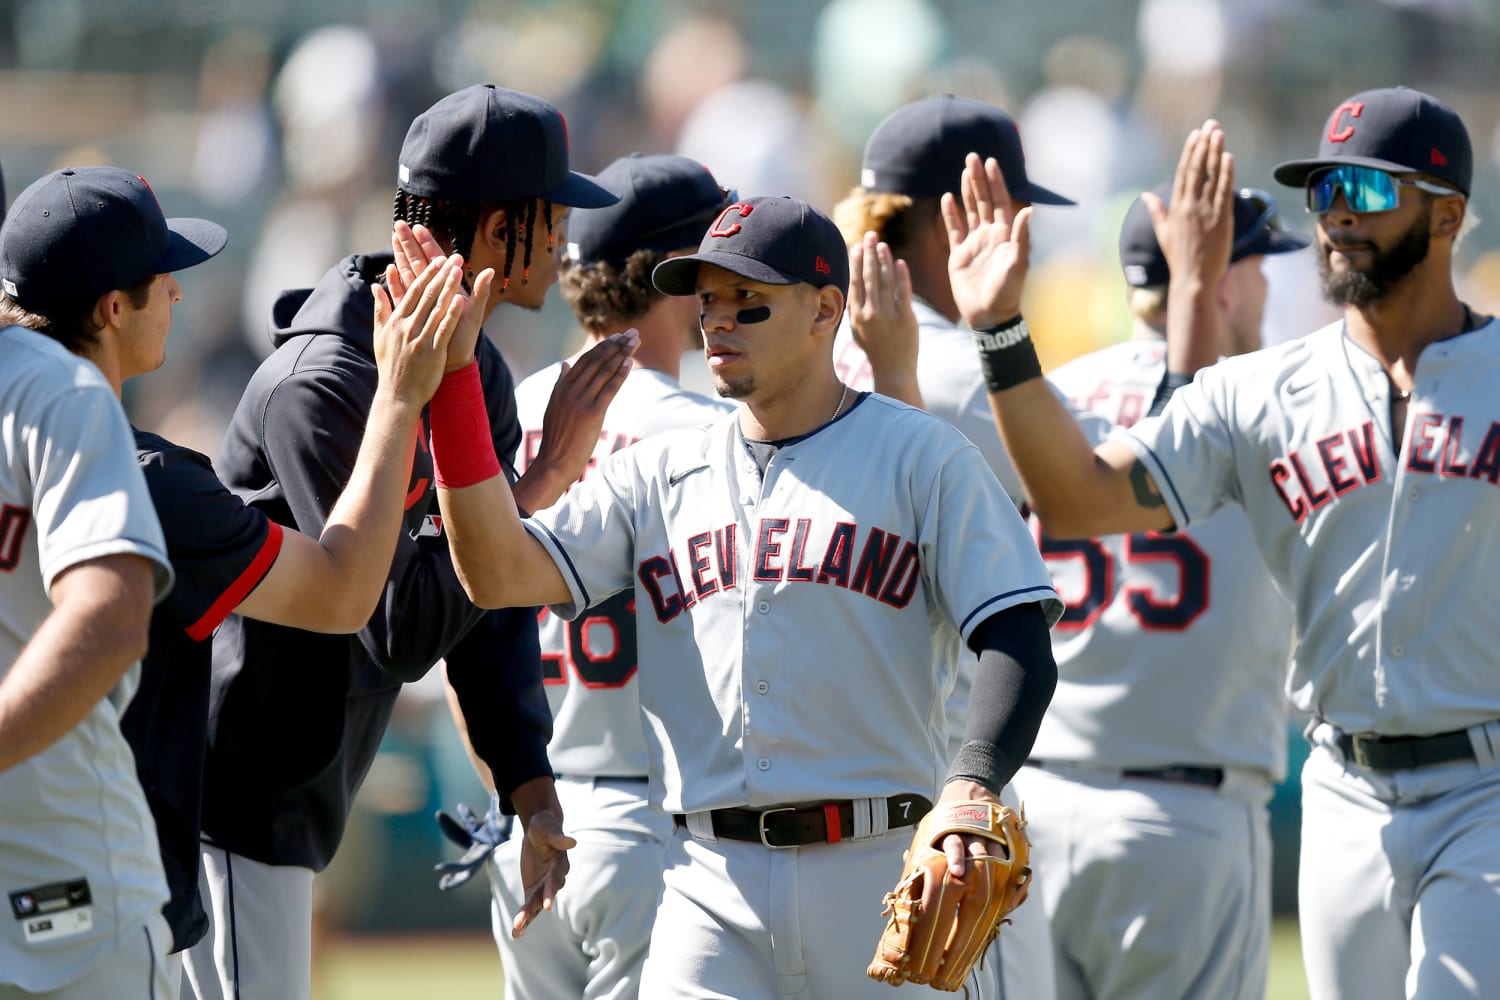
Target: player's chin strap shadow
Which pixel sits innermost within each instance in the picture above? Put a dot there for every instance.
(478, 837)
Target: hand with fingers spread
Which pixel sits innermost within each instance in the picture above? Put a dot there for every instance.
(1196, 231)
(989, 246)
(881, 317)
(413, 336)
(575, 417)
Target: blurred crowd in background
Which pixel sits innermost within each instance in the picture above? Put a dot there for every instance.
(282, 119)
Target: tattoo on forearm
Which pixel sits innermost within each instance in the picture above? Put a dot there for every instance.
(1146, 493)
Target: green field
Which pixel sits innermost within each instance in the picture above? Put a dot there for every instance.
(466, 967)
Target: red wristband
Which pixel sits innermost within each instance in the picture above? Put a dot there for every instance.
(463, 453)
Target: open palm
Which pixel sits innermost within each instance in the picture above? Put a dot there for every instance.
(989, 246)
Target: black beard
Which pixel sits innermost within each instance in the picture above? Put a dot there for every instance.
(1387, 269)
(734, 390)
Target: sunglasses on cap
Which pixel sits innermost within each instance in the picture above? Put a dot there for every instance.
(1266, 218)
(1366, 189)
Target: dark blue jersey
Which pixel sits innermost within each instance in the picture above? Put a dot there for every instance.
(220, 550)
(296, 717)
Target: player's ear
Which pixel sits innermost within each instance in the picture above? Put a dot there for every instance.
(109, 308)
(830, 312)
(1448, 215)
(491, 230)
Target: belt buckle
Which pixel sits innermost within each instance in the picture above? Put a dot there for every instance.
(1357, 743)
(761, 826)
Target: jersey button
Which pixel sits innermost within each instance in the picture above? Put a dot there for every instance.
(761, 687)
(1415, 493)
(763, 764)
(1397, 649)
(763, 607)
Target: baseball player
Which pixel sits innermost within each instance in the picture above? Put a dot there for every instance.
(1342, 448)
(793, 565)
(593, 942)
(81, 563)
(1156, 759)
(486, 171)
(899, 257)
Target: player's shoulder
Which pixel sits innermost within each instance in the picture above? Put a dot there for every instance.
(161, 458)
(1295, 363)
(35, 360)
(895, 421)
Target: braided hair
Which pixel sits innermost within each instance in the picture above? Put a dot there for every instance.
(454, 224)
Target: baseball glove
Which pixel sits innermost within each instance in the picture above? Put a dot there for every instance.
(940, 925)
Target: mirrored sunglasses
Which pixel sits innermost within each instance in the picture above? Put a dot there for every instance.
(1366, 189)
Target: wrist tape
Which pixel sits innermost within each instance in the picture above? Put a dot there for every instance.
(463, 453)
(1006, 355)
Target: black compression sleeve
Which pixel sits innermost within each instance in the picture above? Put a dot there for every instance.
(1012, 688)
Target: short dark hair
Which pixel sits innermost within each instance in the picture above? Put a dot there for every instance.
(455, 224)
(76, 332)
(602, 292)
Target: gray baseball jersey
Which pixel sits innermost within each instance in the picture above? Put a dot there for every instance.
(589, 664)
(1174, 646)
(78, 858)
(1396, 625)
(953, 389)
(739, 576)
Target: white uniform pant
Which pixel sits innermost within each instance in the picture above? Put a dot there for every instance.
(1154, 889)
(1399, 886)
(592, 944)
(135, 971)
(740, 921)
(259, 942)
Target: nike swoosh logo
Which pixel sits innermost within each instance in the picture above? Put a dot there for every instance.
(678, 477)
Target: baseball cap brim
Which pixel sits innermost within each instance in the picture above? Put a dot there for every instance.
(679, 275)
(581, 191)
(1271, 241)
(1294, 173)
(1037, 195)
(189, 242)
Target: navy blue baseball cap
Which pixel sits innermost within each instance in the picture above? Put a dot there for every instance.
(919, 150)
(1396, 129)
(486, 144)
(80, 232)
(776, 241)
(666, 204)
(1257, 230)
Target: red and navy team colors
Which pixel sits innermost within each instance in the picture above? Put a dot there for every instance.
(220, 550)
(296, 717)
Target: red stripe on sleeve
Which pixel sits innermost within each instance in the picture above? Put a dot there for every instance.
(240, 588)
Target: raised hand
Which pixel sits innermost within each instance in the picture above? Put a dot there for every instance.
(574, 418)
(989, 246)
(1196, 234)
(414, 247)
(1196, 231)
(413, 336)
(881, 317)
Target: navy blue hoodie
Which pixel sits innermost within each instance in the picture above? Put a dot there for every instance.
(295, 718)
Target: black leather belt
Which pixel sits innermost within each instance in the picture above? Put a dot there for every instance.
(1181, 774)
(798, 826)
(1402, 753)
